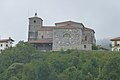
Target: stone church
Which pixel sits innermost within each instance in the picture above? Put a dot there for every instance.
(64, 35)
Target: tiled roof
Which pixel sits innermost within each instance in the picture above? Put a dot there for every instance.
(6, 40)
(68, 22)
(50, 28)
(41, 41)
(88, 29)
(46, 28)
(68, 27)
(116, 39)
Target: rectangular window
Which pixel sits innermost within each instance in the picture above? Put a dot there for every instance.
(1, 45)
(6, 45)
(42, 36)
(85, 46)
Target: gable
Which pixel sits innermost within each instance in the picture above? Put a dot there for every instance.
(69, 24)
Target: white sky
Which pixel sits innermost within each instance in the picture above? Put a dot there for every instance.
(101, 15)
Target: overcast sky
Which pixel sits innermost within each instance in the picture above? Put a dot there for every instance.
(101, 15)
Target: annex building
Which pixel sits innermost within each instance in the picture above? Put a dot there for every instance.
(64, 35)
(5, 43)
(116, 44)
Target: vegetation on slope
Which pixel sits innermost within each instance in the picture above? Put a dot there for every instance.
(24, 62)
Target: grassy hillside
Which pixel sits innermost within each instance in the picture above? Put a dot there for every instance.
(24, 62)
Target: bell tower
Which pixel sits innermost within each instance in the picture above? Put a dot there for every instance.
(35, 23)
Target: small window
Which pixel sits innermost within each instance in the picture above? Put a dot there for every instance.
(6, 45)
(42, 37)
(34, 21)
(1, 45)
(84, 46)
(118, 44)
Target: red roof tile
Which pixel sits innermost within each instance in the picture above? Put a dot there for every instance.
(89, 29)
(68, 22)
(68, 27)
(115, 39)
(46, 28)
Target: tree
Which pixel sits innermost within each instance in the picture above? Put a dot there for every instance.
(36, 70)
(95, 47)
(111, 70)
(14, 71)
(21, 53)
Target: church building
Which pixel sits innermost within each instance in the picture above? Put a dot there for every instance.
(64, 35)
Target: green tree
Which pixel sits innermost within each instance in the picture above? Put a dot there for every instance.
(111, 71)
(14, 71)
(95, 47)
(36, 70)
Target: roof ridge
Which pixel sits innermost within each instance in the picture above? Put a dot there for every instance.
(68, 22)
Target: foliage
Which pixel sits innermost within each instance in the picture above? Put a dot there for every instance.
(24, 62)
(95, 47)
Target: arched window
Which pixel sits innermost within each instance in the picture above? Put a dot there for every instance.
(115, 49)
(66, 35)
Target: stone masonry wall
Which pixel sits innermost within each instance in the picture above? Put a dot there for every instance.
(66, 39)
(44, 34)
